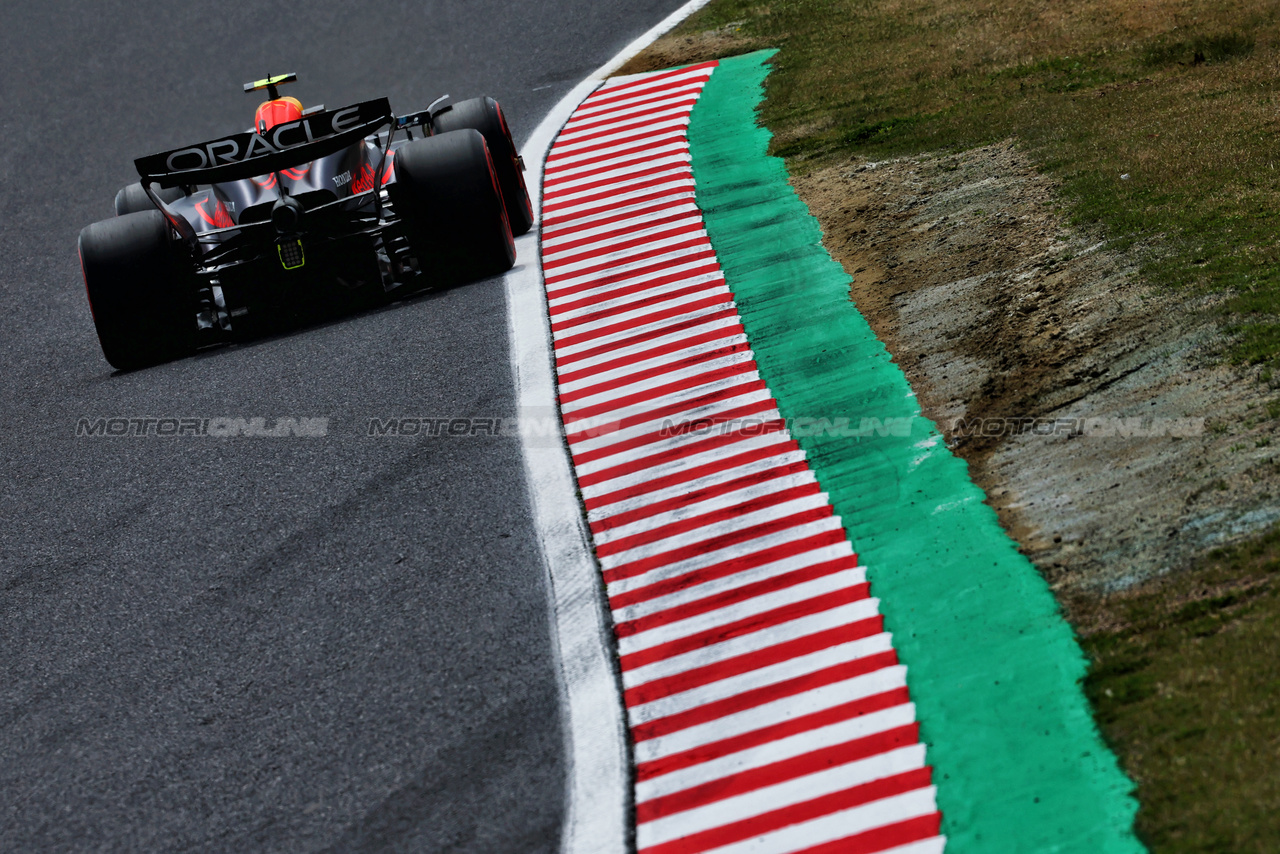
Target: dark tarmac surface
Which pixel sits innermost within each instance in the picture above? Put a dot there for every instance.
(333, 642)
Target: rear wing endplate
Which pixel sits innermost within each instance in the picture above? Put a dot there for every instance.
(247, 155)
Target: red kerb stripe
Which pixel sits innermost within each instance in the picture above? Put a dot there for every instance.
(763, 823)
(735, 595)
(626, 401)
(693, 446)
(679, 345)
(679, 324)
(619, 183)
(760, 408)
(883, 838)
(827, 756)
(733, 538)
(690, 361)
(614, 230)
(755, 478)
(676, 101)
(748, 625)
(602, 130)
(717, 709)
(628, 88)
(694, 264)
(680, 682)
(880, 742)
(674, 312)
(573, 199)
(633, 287)
(724, 569)
(630, 211)
(661, 296)
(710, 517)
(691, 474)
(674, 142)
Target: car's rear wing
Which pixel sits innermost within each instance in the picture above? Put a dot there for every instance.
(247, 155)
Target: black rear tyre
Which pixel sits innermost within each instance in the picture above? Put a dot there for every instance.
(140, 292)
(447, 195)
(484, 115)
(134, 199)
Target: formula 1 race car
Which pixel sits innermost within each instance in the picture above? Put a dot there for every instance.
(310, 210)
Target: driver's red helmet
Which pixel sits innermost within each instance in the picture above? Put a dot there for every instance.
(276, 112)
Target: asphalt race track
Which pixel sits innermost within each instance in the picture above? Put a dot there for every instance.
(243, 643)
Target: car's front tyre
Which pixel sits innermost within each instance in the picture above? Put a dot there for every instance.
(133, 199)
(485, 115)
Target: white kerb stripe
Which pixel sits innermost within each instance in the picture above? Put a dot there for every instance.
(605, 438)
(780, 795)
(616, 89)
(601, 130)
(606, 246)
(583, 193)
(698, 592)
(606, 217)
(586, 165)
(640, 293)
(775, 751)
(578, 263)
(742, 645)
(736, 611)
(839, 825)
(647, 331)
(926, 846)
(634, 86)
(589, 114)
(642, 365)
(716, 529)
(623, 174)
(666, 468)
(579, 162)
(635, 108)
(692, 267)
(622, 226)
(745, 360)
(726, 385)
(784, 709)
(737, 551)
(724, 501)
(759, 678)
(675, 125)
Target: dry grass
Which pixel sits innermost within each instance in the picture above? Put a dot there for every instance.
(1160, 118)
(1186, 686)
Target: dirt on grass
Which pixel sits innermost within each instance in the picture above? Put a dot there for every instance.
(686, 48)
(1095, 411)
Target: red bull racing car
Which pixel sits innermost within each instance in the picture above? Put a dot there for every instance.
(310, 211)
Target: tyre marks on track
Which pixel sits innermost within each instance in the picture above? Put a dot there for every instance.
(766, 705)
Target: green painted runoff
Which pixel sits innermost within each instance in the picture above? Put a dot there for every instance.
(993, 668)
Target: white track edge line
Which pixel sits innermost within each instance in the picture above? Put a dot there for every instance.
(598, 794)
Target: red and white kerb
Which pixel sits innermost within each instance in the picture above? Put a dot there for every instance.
(767, 707)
